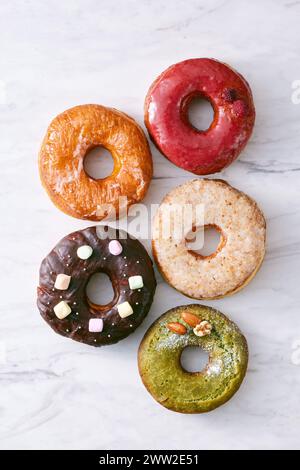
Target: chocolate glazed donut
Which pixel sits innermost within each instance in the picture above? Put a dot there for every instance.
(65, 272)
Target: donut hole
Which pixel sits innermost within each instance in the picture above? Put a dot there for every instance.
(204, 241)
(200, 113)
(194, 359)
(98, 163)
(99, 289)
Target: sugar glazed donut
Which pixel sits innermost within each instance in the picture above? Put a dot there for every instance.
(69, 137)
(241, 249)
(64, 275)
(197, 326)
(166, 115)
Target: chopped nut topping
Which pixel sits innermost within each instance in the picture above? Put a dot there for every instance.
(177, 328)
(204, 328)
(190, 319)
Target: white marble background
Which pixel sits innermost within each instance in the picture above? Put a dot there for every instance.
(56, 393)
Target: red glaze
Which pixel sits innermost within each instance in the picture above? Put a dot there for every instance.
(166, 115)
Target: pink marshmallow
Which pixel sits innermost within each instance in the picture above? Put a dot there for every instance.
(115, 247)
(95, 325)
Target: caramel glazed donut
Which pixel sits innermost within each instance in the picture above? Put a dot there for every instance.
(166, 115)
(242, 243)
(64, 275)
(69, 137)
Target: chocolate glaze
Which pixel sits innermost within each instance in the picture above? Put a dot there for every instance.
(134, 260)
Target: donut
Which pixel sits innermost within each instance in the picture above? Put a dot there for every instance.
(241, 250)
(160, 352)
(68, 139)
(65, 272)
(166, 115)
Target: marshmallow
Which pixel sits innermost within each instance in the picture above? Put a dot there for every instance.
(125, 309)
(84, 251)
(135, 282)
(115, 247)
(62, 310)
(95, 325)
(62, 281)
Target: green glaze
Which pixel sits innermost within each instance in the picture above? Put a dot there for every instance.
(193, 392)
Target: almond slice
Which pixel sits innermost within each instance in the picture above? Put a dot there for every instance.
(177, 328)
(191, 319)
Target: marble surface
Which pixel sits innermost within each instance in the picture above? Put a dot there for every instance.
(58, 394)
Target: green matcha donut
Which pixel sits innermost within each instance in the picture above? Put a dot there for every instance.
(192, 392)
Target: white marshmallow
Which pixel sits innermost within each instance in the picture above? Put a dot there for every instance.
(115, 247)
(96, 325)
(84, 251)
(125, 309)
(62, 281)
(62, 310)
(135, 282)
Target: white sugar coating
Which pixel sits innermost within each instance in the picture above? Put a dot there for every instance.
(62, 281)
(62, 310)
(84, 251)
(125, 309)
(135, 282)
(239, 254)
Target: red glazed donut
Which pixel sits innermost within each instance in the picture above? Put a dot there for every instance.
(166, 115)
